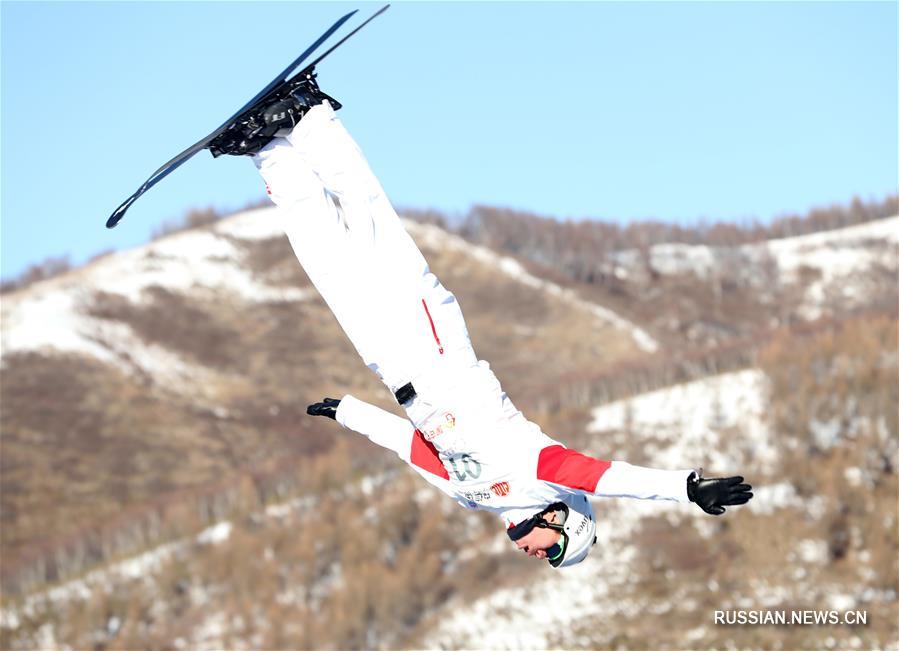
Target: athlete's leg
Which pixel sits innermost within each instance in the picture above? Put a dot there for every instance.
(351, 243)
(316, 228)
(345, 172)
(336, 158)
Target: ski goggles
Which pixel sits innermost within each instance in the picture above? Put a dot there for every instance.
(555, 554)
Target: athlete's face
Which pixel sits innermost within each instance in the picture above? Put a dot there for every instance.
(539, 539)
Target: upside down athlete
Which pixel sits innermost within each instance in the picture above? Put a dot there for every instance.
(462, 434)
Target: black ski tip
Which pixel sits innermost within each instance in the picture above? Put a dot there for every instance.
(342, 41)
(116, 217)
(176, 162)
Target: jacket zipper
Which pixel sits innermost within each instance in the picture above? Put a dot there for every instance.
(433, 329)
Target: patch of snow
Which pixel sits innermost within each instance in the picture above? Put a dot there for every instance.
(508, 619)
(54, 314)
(835, 253)
(768, 595)
(529, 616)
(673, 258)
(437, 238)
(136, 567)
(45, 638)
(284, 509)
(48, 318)
(816, 250)
(839, 257)
(54, 320)
(216, 534)
(367, 486)
(842, 602)
(696, 634)
(814, 552)
(496, 546)
(816, 507)
(253, 225)
(676, 422)
(825, 433)
(180, 263)
(853, 475)
(208, 635)
(767, 499)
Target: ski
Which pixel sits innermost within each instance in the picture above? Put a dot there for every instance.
(272, 88)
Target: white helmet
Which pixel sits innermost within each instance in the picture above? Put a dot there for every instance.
(577, 526)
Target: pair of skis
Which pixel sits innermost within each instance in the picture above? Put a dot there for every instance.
(270, 91)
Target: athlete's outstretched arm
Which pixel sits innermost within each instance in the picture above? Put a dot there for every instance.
(389, 431)
(573, 469)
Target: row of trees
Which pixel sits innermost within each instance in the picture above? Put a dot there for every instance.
(823, 522)
(339, 571)
(332, 571)
(573, 245)
(581, 249)
(183, 512)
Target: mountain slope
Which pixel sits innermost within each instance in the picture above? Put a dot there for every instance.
(694, 296)
(158, 395)
(815, 431)
(173, 366)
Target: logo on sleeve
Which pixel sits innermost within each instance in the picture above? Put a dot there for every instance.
(475, 497)
(500, 488)
(448, 424)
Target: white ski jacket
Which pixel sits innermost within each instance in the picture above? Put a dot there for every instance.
(468, 439)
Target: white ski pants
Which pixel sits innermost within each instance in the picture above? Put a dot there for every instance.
(353, 247)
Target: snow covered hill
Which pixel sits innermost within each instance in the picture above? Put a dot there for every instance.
(677, 423)
(55, 315)
(156, 451)
(176, 363)
(723, 424)
(211, 263)
(436, 239)
(836, 267)
(838, 252)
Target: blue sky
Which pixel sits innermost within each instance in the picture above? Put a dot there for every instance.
(621, 111)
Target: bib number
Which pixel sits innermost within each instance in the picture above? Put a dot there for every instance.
(467, 468)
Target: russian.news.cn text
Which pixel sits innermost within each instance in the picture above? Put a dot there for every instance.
(791, 617)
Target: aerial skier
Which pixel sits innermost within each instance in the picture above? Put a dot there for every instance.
(462, 433)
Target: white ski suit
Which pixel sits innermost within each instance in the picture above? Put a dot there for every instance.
(463, 434)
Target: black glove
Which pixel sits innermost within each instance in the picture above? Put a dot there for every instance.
(714, 493)
(326, 408)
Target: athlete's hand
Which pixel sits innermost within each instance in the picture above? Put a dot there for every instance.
(714, 493)
(328, 407)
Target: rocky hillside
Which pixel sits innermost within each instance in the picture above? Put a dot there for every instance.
(706, 286)
(165, 369)
(161, 486)
(820, 534)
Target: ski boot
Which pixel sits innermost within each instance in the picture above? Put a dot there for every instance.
(274, 115)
